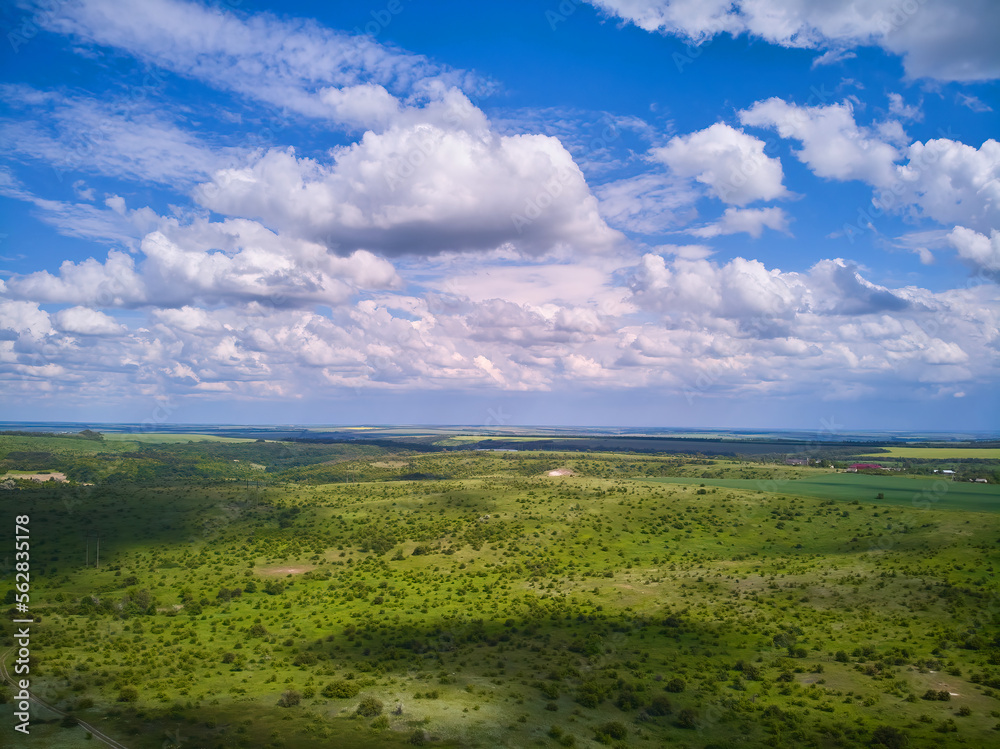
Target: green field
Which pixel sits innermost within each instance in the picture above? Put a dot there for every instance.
(918, 493)
(169, 437)
(936, 453)
(470, 600)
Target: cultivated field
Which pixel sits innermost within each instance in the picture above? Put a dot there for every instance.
(937, 453)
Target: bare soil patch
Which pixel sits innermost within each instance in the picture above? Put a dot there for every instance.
(285, 570)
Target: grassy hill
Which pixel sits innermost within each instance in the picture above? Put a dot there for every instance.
(634, 603)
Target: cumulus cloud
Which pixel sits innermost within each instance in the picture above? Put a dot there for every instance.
(422, 190)
(753, 221)
(234, 261)
(86, 321)
(978, 250)
(833, 144)
(948, 181)
(683, 325)
(951, 40)
(729, 162)
(942, 179)
(745, 289)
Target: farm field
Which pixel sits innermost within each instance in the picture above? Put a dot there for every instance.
(936, 453)
(636, 602)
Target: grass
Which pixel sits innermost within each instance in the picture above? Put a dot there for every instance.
(936, 453)
(167, 438)
(498, 602)
(915, 492)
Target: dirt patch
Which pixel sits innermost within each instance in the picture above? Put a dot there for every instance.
(54, 476)
(561, 472)
(285, 570)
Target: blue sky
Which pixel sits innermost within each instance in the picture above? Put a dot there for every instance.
(762, 213)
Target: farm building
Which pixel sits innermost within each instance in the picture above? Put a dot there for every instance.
(864, 467)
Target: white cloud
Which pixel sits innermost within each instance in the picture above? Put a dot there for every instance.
(978, 250)
(235, 261)
(86, 321)
(951, 40)
(729, 162)
(903, 110)
(973, 102)
(76, 134)
(942, 179)
(833, 145)
(291, 64)
(422, 190)
(753, 221)
(948, 181)
(687, 326)
(24, 318)
(647, 203)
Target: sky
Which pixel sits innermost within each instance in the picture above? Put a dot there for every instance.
(690, 213)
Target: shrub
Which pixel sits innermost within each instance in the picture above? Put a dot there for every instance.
(340, 689)
(289, 698)
(687, 718)
(660, 705)
(274, 587)
(369, 707)
(418, 737)
(890, 737)
(128, 694)
(675, 685)
(381, 723)
(612, 730)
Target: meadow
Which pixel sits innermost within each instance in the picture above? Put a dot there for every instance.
(366, 596)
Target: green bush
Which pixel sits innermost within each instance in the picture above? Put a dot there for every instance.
(687, 718)
(660, 705)
(340, 689)
(675, 685)
(289, 698)
(890, 737)
(369, 707)
(612, 729)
